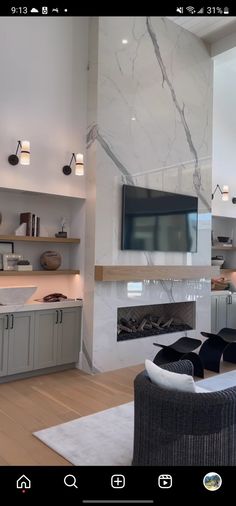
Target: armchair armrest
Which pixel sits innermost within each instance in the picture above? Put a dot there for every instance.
(183, 428)
(181, 367)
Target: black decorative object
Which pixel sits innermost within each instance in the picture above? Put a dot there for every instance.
(217, 344)
(182, 349)
(62, 232)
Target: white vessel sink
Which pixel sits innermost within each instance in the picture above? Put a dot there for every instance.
(16, 294)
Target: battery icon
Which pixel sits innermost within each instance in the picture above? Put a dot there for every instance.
(226, 10)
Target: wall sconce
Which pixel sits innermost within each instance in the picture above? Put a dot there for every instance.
(79, 165)
(24, 154)
(224, 192)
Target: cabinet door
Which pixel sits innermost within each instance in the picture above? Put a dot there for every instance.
(3, 344)
(231, 312)
(221, 312)
(214, 309)
(45, 351)
(69, 333)
(21, 342)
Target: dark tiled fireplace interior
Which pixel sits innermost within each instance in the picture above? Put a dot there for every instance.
(153, 320)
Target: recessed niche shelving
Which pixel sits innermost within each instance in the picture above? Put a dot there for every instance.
(51, 209)
(224, 226)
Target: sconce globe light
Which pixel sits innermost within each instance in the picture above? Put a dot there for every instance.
(79, 165)
(24, 154)
(224, 192)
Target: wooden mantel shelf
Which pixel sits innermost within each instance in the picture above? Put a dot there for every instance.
(141, 272)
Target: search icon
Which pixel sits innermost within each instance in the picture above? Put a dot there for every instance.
(70, 480)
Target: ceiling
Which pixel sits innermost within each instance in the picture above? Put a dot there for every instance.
(210, 28)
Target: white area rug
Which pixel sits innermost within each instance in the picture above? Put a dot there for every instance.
(106, 438)
(102, 439)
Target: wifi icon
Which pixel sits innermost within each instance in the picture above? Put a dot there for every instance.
(191, 10)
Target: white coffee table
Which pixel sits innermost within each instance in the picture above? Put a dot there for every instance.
(219, 381)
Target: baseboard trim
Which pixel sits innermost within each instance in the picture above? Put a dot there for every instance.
(37, 372)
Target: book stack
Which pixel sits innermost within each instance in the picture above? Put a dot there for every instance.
(27, 267)
(32, 224)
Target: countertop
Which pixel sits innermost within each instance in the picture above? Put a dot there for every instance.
(38, 306)
(222, 292)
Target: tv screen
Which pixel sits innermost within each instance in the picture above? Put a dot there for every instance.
(154, 220)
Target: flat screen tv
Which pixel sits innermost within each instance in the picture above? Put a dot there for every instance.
(154, 220)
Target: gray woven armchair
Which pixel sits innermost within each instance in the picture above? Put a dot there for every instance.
(180, 428)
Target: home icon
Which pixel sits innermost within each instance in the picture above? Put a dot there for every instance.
(23, 482)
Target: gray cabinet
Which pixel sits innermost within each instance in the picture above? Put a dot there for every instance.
(223, 312)
(45, 350)
(231, 311)
(68, 335)
(20, 328)
(57, 337)
(39, 339)
(3, 345)
(218, 312)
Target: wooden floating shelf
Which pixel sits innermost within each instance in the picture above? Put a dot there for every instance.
(142, 272)
(227, 271)
(224, 248)
(40, 273)
(28, 238)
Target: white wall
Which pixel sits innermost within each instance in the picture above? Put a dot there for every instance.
(43, 98)
(224, 131)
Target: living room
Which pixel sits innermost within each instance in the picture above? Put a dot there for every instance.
(118, 115)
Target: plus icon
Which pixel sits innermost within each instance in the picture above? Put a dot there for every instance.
(117, 481)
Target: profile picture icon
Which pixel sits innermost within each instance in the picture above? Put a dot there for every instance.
(212, 481)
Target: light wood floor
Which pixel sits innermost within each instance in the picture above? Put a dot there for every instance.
(40, 402)
(37, 403)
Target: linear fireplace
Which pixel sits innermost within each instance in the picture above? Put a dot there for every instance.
(153, 320)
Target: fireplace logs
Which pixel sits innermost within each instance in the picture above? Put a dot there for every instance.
(149, 325)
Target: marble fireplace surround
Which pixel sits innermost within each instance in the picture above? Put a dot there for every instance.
(127, 286)
(163, 80)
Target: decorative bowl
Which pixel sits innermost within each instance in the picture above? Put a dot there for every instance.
(16, 294)
(222, 238)
(217, 261)
(50, 260)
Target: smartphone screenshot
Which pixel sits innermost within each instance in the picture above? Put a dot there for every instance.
(117, 252)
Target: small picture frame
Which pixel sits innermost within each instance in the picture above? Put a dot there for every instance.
(10, 261)
(5, 248)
